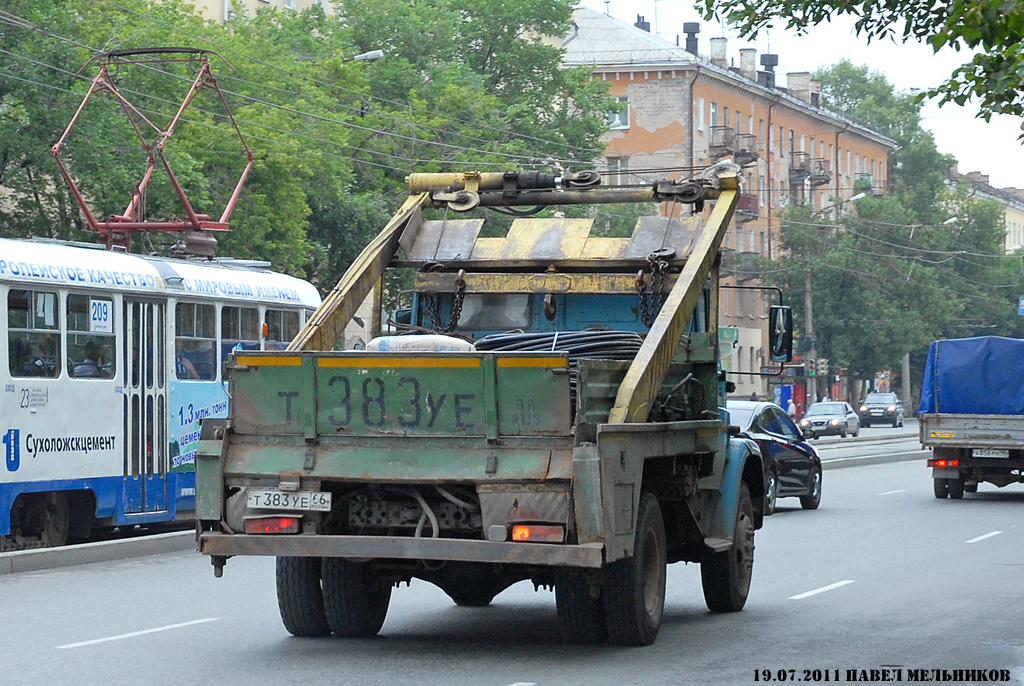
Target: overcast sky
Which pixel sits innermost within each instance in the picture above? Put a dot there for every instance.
(991, 148)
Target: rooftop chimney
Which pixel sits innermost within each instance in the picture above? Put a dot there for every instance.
(691, 29)
(748, 63)
(815, 93)
(641, 24)
(718, 52)
(766, 78)
(799, 85)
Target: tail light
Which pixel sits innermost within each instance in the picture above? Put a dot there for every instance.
(943, 463)
(272, 525)
(538, 533)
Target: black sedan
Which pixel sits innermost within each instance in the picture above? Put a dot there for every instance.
(792, 465)
(879, 408)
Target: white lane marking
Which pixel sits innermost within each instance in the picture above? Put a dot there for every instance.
(990, 534)
(902, 490)
(524, 683)
(135, 633)
(830, 587)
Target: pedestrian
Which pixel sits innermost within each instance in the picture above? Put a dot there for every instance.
(753, 396)
(825, 399)
(791, 409)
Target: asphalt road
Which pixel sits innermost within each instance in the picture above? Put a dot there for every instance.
(881, 574)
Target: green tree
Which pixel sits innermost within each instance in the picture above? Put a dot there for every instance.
(992, 29)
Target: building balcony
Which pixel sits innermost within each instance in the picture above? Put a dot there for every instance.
(799, 166)
(747, 208)
(747, 149)
(821, 171)
(723, 140)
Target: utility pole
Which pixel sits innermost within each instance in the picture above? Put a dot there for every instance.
(810, 357)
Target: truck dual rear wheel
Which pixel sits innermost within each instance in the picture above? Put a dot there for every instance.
(726, 576)
(956, 488)
(300, 598)
(941, 487)
(634, 589)
(355, 599)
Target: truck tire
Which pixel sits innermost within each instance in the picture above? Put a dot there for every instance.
(726, 576)
(941, 487)
(580, 614)
(633, 592)
(355, 600)
(956, 488)
(771, 493)
(813, 497)
(300, 598)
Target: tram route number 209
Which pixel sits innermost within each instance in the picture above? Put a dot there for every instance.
(100, 316)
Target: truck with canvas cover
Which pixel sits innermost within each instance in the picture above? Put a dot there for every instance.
(972, 413)
(554, 415)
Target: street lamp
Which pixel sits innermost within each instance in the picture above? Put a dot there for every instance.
(365, 56)
(810, 354)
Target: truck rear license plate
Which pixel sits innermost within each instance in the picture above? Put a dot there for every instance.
(990, 452)
(283, 500)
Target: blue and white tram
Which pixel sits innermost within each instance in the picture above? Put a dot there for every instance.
(110, 361)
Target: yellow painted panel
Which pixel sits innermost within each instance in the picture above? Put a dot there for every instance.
(531, 362)
(598, 248)
(418, 362)
(487, 248)
(547, 238)
(250, 361)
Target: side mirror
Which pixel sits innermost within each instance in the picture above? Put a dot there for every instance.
(780, 333)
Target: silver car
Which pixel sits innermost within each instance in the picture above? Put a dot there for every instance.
(830, 419)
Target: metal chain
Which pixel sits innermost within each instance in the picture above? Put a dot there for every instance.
(653, 296)
(430, 304)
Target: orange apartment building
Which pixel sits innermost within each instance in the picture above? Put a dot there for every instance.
(684, 112)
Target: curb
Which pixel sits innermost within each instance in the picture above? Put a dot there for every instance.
(843, 462)
(102, 551)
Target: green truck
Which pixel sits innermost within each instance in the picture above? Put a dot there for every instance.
(555, 414)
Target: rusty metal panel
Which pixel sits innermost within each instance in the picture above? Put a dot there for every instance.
(588, 505)
(533, 395)
(657, 232)
(415, 461)
(589, 555)
(509, 503)
(453, 394)
(443, 241)
(400, 394)
(553, 282)
(546, 239)
(272, 393)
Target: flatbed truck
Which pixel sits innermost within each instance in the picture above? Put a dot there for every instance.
(558, 417)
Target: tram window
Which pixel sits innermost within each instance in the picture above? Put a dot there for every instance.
(195, 352)
(239, 329)
(90, 337)
(33, 330)
(282, 327)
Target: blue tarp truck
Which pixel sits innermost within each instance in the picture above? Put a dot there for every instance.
(972, 413)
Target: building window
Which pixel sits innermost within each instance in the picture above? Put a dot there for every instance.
(700, 114)
(290, 4)
(713, 116)
(618, 171)
(619, 120)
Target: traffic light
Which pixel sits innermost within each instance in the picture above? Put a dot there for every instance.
(822, 366)
(812, 366)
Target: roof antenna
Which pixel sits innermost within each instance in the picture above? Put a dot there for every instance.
(608, 7)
